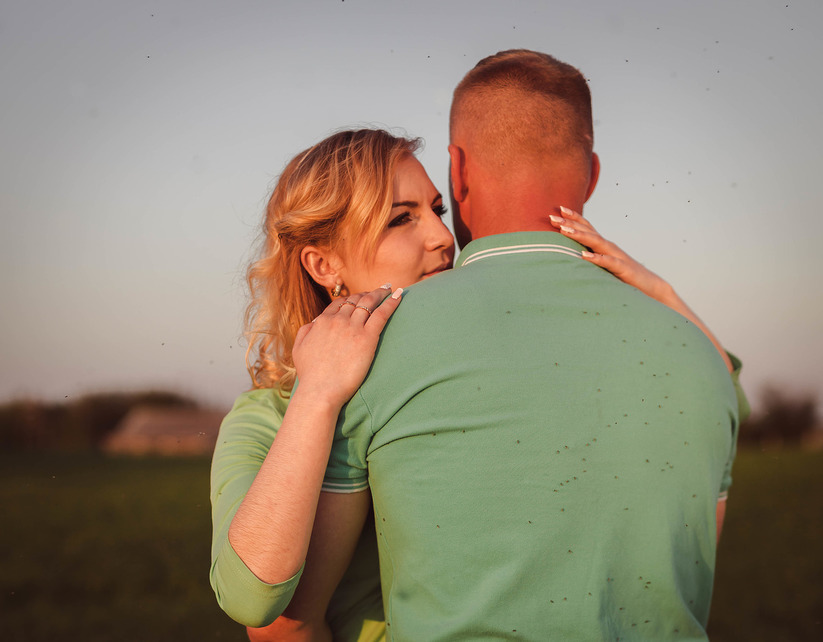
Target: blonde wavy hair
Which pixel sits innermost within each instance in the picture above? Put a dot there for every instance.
(336, 195)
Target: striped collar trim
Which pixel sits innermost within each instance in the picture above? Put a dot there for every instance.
(521, 249)
(518, 243)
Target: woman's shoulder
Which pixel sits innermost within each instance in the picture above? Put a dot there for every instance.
(261, 399)
(255, 416)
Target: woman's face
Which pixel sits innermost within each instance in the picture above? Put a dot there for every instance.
(415, 245)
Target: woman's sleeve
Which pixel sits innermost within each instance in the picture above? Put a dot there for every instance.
(743, 412)
(245, 437)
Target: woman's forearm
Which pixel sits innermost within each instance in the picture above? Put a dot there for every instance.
(610, 257)
(667, 296)
(272, 527)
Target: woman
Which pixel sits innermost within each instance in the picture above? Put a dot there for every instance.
(352, 212)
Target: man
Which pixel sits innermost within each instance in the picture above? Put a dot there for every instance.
(545, 445)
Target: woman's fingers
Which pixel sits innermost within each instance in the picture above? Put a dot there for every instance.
(576, 219)
(574, 226)
(336, 306)
(611, 263)
(610, 257)
(368, 302)
(360, 309)
(380, 315)
(571, 221)
(333, 353)
(345, 307)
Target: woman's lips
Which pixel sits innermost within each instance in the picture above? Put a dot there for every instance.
(438, 270)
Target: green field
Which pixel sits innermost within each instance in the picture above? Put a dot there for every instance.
(769, 583)
(98, 549)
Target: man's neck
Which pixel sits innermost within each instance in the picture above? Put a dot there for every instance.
(523, 208)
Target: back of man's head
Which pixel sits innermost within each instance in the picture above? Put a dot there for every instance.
(523, 110)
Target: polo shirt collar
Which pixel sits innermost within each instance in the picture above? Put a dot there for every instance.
(518, 243)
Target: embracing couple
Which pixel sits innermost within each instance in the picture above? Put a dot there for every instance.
(536, 444)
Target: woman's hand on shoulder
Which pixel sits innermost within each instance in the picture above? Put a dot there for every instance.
(333, 353)
(610, 257)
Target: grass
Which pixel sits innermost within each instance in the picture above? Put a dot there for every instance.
(770, 562)
(98, 549)
(107, 549)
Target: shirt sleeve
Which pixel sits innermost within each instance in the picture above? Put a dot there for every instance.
(243, 442)
(243, 596)
(347, 470)
(743, 412)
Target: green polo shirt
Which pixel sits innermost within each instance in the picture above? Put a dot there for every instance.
(545, 447)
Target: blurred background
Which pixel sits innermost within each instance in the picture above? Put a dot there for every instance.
(138, 144)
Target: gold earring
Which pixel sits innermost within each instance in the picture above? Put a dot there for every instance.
(338, 288)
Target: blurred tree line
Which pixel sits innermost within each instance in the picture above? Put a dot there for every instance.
(79, 424)
(83, 423)
(784, 420)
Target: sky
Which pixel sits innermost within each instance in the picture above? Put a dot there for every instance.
(139, 142)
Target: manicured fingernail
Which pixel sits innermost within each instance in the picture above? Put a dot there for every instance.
(397, 293)
(567, 229)
(587, 254)
(567, 211)
(386, 286)
(555, 219)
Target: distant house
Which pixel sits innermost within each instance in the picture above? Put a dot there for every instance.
(165, 431)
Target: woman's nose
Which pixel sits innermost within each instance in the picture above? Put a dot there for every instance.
(438, 234)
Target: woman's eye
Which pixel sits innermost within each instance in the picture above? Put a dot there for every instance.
(402, 219)
(440, 210)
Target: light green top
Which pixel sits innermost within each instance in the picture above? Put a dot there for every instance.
(545, 447)
(246, 434)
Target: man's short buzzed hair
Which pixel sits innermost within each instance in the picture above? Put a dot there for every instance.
(520, 106)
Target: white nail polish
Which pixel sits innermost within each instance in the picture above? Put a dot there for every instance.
(566, 211)
(386, 286)
(567, 229)
(397, 293)
(555, 219)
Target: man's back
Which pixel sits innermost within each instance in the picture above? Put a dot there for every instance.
(545, 448)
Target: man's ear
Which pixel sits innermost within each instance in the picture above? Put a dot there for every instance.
(458, 173)
(323, 266)
(593, 176)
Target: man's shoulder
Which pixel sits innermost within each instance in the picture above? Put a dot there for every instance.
(419, 297)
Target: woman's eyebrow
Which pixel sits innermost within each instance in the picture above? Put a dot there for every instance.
(414, 203)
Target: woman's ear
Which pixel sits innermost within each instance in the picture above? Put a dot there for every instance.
(323, 266)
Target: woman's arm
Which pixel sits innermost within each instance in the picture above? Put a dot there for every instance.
(271, 530)
(245, 437)
(610, 257)
(337, 528)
